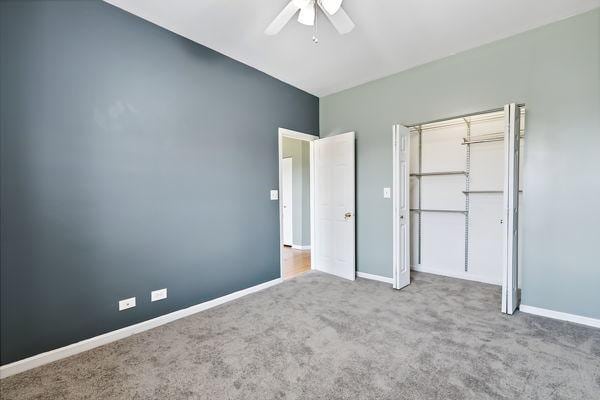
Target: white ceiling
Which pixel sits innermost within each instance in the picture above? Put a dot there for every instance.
(390, 35)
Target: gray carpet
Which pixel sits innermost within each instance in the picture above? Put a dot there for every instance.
(320, 337)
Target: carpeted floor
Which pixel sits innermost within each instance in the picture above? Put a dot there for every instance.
(320, 337)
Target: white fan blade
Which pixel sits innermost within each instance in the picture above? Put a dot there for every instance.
(340, 20)
(283, 18)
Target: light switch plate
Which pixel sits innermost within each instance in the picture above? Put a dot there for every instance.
(274, 195)
(387, 193)
(126, 303)
(158, 294)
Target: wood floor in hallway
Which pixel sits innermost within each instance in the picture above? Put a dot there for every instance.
(295, 262)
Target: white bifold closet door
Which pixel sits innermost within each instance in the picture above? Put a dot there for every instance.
(401, 210)
(456, 200)
(334, 197)
(512, 137)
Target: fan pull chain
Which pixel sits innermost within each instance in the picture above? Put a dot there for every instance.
(315, 39)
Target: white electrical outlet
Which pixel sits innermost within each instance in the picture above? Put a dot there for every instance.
(126, 303)
(274, 195)
(387, 193)
(158, 294)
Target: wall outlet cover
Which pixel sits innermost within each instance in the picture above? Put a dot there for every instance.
(158, 294)
(126, 303)
(387, 193)
(274, 195)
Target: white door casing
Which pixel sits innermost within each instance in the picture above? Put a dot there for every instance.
(287, 133)
(287, 200)
(512, 137)
(401, 207)
(334, 205)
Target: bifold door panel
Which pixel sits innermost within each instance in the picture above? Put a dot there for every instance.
(512, 139)
(401, 207)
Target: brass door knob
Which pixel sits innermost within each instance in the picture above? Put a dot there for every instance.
(348, 215)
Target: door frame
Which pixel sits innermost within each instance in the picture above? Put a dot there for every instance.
(288, 133)
(396, 216)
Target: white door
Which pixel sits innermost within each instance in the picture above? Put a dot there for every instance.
(286, 199)
(401, 208)
(334, 239)
(512, 137)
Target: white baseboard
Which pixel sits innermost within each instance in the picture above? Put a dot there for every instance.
(300, 247)
(374, 277)
(88, 344)
(460, 275)
(578, 319)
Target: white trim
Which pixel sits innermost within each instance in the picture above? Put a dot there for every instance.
(282, 132)
(300, 247)
(297, 135)
(313, 233)
(88, 344)
(375, 277)
(459, 275)
(578, 319)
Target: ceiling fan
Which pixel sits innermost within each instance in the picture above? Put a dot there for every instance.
(308, 15)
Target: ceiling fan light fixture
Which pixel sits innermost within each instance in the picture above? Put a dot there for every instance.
(331, 6)
(307, 14)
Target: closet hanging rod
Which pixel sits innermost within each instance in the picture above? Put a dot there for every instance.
(438, 211)
(485, 140)
(415, 130)
(494, 134)
(465, 141)
(458, 116)
(455, 122)
(485, 191)
(440, 173)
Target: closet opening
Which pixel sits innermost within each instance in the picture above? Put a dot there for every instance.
(463, 189)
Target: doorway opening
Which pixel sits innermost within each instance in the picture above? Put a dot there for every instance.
(458, 188)
(295, 176)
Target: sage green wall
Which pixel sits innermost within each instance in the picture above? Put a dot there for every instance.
(555, 70)
(299, 151)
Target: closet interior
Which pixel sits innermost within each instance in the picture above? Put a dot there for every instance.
(457, 180)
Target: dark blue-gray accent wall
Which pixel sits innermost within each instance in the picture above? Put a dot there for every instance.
(132, 159)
